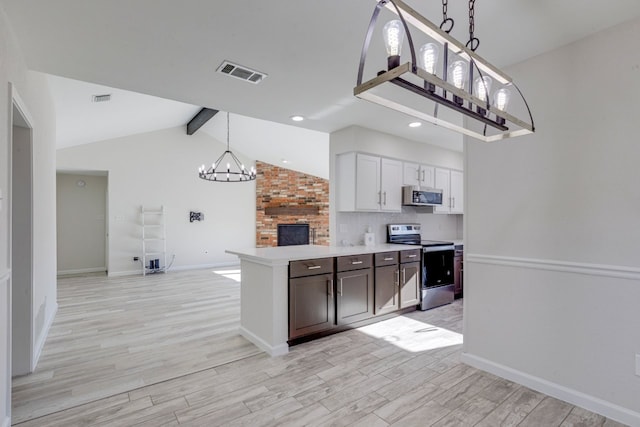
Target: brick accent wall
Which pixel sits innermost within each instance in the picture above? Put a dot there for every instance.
(278, 187)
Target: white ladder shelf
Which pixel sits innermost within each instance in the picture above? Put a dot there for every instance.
(154, 242)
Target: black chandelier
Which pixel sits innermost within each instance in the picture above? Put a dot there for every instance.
(234, 170)
(453, 86)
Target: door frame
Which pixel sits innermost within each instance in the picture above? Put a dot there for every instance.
(15, 101)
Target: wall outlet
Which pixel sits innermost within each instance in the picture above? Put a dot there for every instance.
(135, 258)
(638, 365)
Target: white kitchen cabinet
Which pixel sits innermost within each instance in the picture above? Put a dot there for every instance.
(368, 183)
(416, 174)
(457, 192)
(451, 182)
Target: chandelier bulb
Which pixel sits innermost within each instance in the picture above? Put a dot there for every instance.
(458, 77)
(393, 35)
(501, 98)
(429, 57)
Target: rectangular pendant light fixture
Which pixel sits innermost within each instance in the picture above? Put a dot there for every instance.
(480, 118)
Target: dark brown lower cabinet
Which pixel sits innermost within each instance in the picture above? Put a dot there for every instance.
(311, 297)
(311, 306)
(354, 289)
(386, 289)
(409, 284)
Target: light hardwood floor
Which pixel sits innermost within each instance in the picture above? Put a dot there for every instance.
(402, 372)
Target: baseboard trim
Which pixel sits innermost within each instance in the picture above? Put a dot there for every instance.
(279, 350)
(43, 337)
(591, 403)
(81, 271)
(615, 271)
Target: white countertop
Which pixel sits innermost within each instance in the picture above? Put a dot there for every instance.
(281, 255)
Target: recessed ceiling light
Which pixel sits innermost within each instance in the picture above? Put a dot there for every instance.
(285, 161)
(297, 118)
(415, 124)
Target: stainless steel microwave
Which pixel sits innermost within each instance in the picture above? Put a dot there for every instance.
(416, 196)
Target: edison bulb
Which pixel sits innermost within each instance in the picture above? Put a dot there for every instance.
(458, 77)
(501, 99)
(429, 57)
(458, 74)
(393, 34)
(482, 87)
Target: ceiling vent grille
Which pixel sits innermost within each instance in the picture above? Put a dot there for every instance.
(241, 72)
(102, 98)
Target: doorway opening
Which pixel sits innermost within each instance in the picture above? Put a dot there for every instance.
(81, 206)
(22, 333)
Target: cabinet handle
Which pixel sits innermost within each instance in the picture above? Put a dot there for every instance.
(389, 259)
(314, 267)
(356, 262)
(385, 198)
(453, 201)
(330, 283)
(379, 197)
(412, 256)
(340, 288)
(423, 175)
(398, 278)
(404, 276)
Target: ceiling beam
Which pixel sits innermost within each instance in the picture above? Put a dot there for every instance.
(200, 119)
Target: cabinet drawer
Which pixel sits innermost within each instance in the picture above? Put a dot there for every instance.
(410, 256)
(386, 258)
(310, 267)
(354, 262)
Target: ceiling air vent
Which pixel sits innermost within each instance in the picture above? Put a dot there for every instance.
(241, 72)
(102, 98)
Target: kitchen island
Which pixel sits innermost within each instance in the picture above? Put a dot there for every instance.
(264, 293)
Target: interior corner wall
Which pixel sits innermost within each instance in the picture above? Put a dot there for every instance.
(552, 277)
(348, 228)
(161, 169)
(34, 92)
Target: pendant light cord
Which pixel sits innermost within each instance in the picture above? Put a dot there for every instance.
(228, 131)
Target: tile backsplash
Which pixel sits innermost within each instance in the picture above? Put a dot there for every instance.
(351, 226)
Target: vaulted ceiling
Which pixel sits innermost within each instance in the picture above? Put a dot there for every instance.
(309, 49)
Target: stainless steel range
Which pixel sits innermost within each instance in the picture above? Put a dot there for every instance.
(437, 264)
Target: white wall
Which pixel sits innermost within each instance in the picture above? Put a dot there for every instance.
(34, 91)
(160, 168)
(552, 277)
(81, 224)
(355, 138)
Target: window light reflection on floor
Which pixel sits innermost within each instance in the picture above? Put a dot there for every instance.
(412, 335)
(229, 274)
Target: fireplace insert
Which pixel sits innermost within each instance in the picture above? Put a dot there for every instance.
(293, 234)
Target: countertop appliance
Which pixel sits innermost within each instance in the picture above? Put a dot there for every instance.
(413, 195)
(437, 287)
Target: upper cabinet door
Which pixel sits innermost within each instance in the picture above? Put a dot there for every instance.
(427, 177)
(442, 177)
(391, 185)
(411, 174)
(368, 196)
(457, 192)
